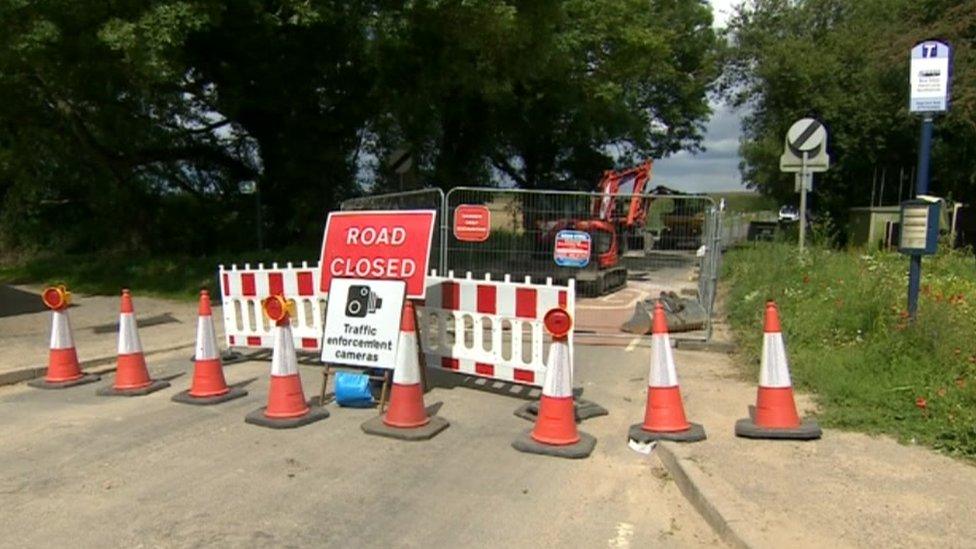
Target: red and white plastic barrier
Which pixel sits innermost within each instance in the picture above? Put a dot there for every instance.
(483, 327)
(490, 328)
(242, 291)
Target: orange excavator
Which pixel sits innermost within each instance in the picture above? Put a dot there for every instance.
(618, 217)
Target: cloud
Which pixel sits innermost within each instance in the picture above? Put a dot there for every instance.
(714, 170)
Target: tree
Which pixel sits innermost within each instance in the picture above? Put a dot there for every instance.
(846, 63)
(544, 94)
(131, 124)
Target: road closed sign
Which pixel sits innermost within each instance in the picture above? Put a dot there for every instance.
(572, 249)
(362, 322)
(378, 245)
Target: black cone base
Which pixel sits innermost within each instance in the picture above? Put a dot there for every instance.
(808, 430)
(694, 433)
(156, 385)
(583, 448)
(42, 384)
(185, 397)
(257, 417)
(583, 408)
(375, 426)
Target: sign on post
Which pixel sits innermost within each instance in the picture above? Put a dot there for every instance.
(806, 136)
(572, 249)
(472, 223)
(805, 152)
(930, 77)
(378, 245)
(362, 322)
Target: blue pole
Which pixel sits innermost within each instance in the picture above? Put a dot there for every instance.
(921, 187)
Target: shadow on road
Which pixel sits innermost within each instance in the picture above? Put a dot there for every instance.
(18, 302)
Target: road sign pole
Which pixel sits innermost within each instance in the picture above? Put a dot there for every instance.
(803, 201)
(257, 215)
(921, 187)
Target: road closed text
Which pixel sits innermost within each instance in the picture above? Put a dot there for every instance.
(378, 246)
(397, 268)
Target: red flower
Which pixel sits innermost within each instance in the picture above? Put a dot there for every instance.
(921, 403)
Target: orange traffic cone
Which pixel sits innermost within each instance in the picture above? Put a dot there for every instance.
(406, 416)
(286, 407)
(664, 415)
(63, 369)
(555, 432)
(209, 385)
(774, 415)
(131, 375)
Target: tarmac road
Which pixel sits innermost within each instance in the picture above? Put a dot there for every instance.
(87, 471)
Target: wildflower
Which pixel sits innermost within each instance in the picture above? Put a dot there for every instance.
(921, 403)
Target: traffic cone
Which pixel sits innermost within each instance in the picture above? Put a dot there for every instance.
(664, 415)
(63, 369)
(286, 407)
(131, 375)
(406, 416)
(209, 385)
(774, 415)
(555, 432)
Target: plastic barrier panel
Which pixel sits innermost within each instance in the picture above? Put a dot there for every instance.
(242, 291)
(490, 328)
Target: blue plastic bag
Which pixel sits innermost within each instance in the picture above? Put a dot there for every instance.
(352, 390)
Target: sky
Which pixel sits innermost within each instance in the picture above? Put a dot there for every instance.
(717, 168)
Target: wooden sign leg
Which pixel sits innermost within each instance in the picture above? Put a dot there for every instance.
(384, 391)
(421, 360)
(326, 372)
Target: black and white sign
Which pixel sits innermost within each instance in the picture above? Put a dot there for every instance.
(806, 137)
(931, 77)
(362, 322)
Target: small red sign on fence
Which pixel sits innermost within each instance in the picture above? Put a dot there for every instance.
(379, 245)
(472, 223)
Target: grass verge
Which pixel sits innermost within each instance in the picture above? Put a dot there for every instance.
(175, 277)
(849, 340)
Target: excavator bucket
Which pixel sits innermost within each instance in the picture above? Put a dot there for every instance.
(682, 314)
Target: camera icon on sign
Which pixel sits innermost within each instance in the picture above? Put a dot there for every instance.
(362, 301)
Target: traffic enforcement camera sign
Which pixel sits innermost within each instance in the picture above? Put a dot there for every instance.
(362, 322)
(808, 137)
(378, 245)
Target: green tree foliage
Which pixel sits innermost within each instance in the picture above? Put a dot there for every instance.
(131, 124)
(846, 62)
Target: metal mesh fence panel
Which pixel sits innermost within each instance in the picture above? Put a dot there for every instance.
(641, 245)
(637, 232)
(422, 199)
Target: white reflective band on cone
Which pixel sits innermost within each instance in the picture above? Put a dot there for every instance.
(128, 335)
(407, 370)
(775, 370)
(283, 360)
(206, 339)
(662, 373)
(61, 331)
(559, 371)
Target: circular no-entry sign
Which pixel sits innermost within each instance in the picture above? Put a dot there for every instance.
(806, 135)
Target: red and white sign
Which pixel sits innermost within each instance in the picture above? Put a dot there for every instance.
(472, 223)
(572, 249)
(378, 245)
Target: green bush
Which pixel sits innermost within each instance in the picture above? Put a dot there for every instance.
(173, 276)
(850, 342)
